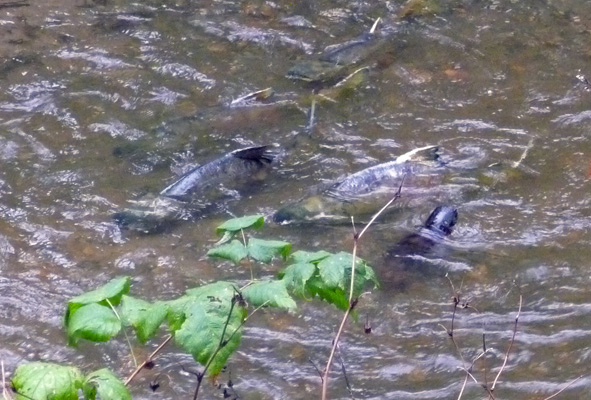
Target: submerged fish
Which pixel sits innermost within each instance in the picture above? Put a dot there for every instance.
(337, 60)
(237, 164)
(439, 225)
(187, 196)
(366, 191)
(414, 253)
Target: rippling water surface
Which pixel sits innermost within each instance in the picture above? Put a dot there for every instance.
(103, 102)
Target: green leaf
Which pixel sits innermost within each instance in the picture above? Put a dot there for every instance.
(236, 224)
(112, 291)
(202, 329)
(270, 293)
(145, 317)
(265, 250)
(93, 322)
(106, 385)
(332, 269)
(296, 276)
(217, 292)
(370, 276)
(302, 256)
(333, 295)
(197, 320)
(220, 291)
(47, 381)
(233, 251)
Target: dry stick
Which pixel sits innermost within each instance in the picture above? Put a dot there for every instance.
(564, 388)
(485, 350)
(125, 333)
(510, 344)
(5, 395)
(353, 302)
(148, 360)
(345, 372)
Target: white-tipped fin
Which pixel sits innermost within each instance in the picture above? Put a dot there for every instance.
(427, 153)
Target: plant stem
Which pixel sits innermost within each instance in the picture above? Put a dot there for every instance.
(353, 302)
(510, 345)
(149, 359)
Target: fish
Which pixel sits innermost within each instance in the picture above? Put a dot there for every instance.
(337, 60)
(187, 197)
(419, 255)
(237, 164)
(365, 191)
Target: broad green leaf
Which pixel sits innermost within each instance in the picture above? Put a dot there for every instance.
(296, 276)
(217, 292)
(332, 269)
(145, 317)
(236, 224)
(264, 250)
(112, 291)
(332, 295)
(270, 293)
(105, 385)
(47, 381)
(202, 329)
(221, 290)
(335, 271)
(93, 322)
(233, 251)
(302, 256)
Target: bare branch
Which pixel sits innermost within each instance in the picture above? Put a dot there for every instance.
(353, 302)
(564, 388)
(510, 344)
(148, 360)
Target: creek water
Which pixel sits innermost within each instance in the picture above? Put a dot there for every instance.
(102, 102)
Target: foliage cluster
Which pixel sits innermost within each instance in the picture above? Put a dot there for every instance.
(206, 322)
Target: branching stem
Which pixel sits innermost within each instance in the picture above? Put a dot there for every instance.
(510, 345)
(352, 301)
(148, 360)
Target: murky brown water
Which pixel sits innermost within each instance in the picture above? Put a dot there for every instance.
(102, 102)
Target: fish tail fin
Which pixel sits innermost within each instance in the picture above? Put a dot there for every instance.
(255, 153)
(422, 154)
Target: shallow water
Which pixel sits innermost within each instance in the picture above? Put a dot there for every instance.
(103, 102)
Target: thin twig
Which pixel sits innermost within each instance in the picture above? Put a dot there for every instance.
(510, 344)
(125, 333)
(463, 387)
(224, 342)
(345, 372)
(148, 360)
(221, 344)
(353, 302)
(485, 350)
(316, 368)
(5, 394)
(564, 388)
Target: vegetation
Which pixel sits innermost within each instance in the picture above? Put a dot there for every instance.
(206, 322)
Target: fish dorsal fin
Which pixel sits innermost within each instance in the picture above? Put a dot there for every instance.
(255, 153)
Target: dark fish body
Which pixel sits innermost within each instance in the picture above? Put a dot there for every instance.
(337, 60)
(364, 192)
(235, 165)
(350, 52)
(439, 225)
(416, 254)
(187, 196)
